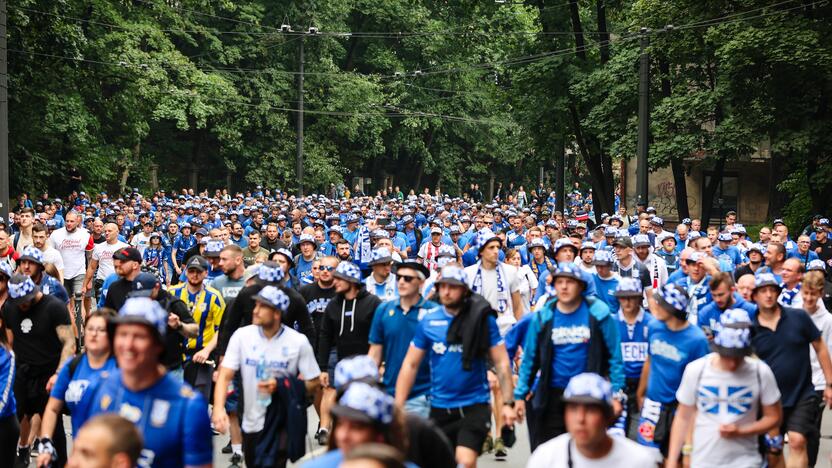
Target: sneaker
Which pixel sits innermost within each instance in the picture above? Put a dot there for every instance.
(236, 461)
(322, 436)
(227, 449)
(488, 445)
(33, 449)
(500, 450)
(22, 457)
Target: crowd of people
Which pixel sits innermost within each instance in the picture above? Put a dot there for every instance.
(422, 329)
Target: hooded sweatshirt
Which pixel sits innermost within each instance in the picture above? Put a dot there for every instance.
(346, 326)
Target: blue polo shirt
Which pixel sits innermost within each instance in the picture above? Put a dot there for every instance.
(394, 329)
(670, 352)
(709, 315)
(451, 385)
(786, 350)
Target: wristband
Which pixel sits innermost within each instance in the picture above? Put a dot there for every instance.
(774, 444)
(45, 445)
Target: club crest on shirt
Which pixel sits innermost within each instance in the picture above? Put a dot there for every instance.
(439, 347)
(159, 413)
(105, 402)
(130, 412)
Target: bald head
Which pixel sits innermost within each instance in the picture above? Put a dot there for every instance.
(745, 285)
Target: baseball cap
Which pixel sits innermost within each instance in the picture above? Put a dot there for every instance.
(588, 388)
(197, 262)
(724, 237)
(365, 403)
(657, 221)
(201, 232)
(777, 221)
(536, 243)
(484, 236)
(436, 230)
(22, 289)
(816, 265)
(143, 285)
(250, 272)
(413, 265)
(641, 240)
(273, 297)
(131, 254)
(270, 272)
(623, 241)
(733, 335)
(665, 236)
(306, 238)
(587, 245)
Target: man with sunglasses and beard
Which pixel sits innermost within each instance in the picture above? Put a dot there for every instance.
(393, 328)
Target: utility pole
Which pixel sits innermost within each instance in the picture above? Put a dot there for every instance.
(4, 116)
(560, 167)
(299, 156)
(643, 117)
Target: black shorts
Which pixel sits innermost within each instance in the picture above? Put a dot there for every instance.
(30, 394)
(465, 427)
(801, 417)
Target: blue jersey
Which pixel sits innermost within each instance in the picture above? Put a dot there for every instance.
(157, 258)
(451, 385)
(670, 351)
(708, 319)
(182, 244)
(303, 270)
(605, 289)
(171, 417)
(8, 406)
(728, 259)
(106, 287)
(70, 388)
(634, 342)
(394, 330)
(50, 286)
(570, 340)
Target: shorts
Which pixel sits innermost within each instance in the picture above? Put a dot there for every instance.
(654, 424)
(465, 427)
(419, 406)
(232, 399)
(30, 394)
(73, 286)
(200, 377)
(801, 417)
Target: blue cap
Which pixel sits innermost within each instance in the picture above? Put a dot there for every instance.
(602, 257)
(628, 287)
(307, 238)
(484, 236)
(143, 285)
(562, 243)
(724, 237)
(6, 269)
(673, 298)
(32, 254)
(357, 367)
(270, 272)
(536, 242)
(762, 280)
(588, 388)
(348, 271)
(365, 403)
(273, 297)
(381, 256)
(733, 336)
(454, 275)
(213, 248)
(569, 270)
(816, 265)
(143, 310)
(21, 289)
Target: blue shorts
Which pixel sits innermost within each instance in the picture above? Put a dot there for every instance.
(232, 399)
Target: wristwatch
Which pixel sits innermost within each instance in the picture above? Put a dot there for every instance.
(509, 403)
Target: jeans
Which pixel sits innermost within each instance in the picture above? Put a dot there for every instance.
(420, 406)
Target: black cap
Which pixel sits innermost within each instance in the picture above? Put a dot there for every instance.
(197, 262)
(128, 254)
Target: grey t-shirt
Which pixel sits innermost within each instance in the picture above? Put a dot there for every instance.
(722, 397)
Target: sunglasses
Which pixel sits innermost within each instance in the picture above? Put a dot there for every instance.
(406, 278)
(326, 268)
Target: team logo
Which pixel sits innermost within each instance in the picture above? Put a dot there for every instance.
(646, 430)
(26, 325)
(105, 402)
(728, 399)
(159, 413)
(439, 347)
(130, 413)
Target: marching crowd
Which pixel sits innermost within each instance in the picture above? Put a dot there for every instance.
(422, 329)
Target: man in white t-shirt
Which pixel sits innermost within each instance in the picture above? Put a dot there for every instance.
(588, 414)
(101, 263)
(73, 242)
(496, 281)
(142, 239)
(721, 395)
(283, 351)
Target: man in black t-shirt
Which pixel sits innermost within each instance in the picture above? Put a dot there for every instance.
(127, 263)
(318, 294)
(38, 327)
(180, 321)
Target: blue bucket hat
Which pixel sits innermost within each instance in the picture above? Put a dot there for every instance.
(273, 297)
(358, 367)
(733, 336)
(348, 271)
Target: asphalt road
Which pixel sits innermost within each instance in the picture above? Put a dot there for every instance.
(516, 458)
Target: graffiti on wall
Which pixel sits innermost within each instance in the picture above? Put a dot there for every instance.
(662, 196)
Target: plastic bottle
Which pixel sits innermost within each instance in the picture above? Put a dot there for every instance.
(264, 399)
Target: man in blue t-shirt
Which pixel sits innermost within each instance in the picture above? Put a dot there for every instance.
(172, 418)
(724, 296)
(571, 335)
(459, 339)
(728, 256)
(673, 343)
(633, 323)
(782, 337)
(394, 326)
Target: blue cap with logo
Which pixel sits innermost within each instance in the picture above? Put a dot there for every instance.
(348, 271)
(673, 298)
(365, 403)
(32, 254)
(628, 287)
(358, 367)
(143, 285)
(588, 388)
(270, 272)
(733, 336)
(453, 275)
(273, 297)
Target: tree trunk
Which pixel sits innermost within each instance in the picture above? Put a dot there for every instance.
(575, 17)
(603, 34)
(135, 152)
(681, 189)
(777, 173)
(710, 191)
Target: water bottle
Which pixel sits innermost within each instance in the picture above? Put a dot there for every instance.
(264, 399)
